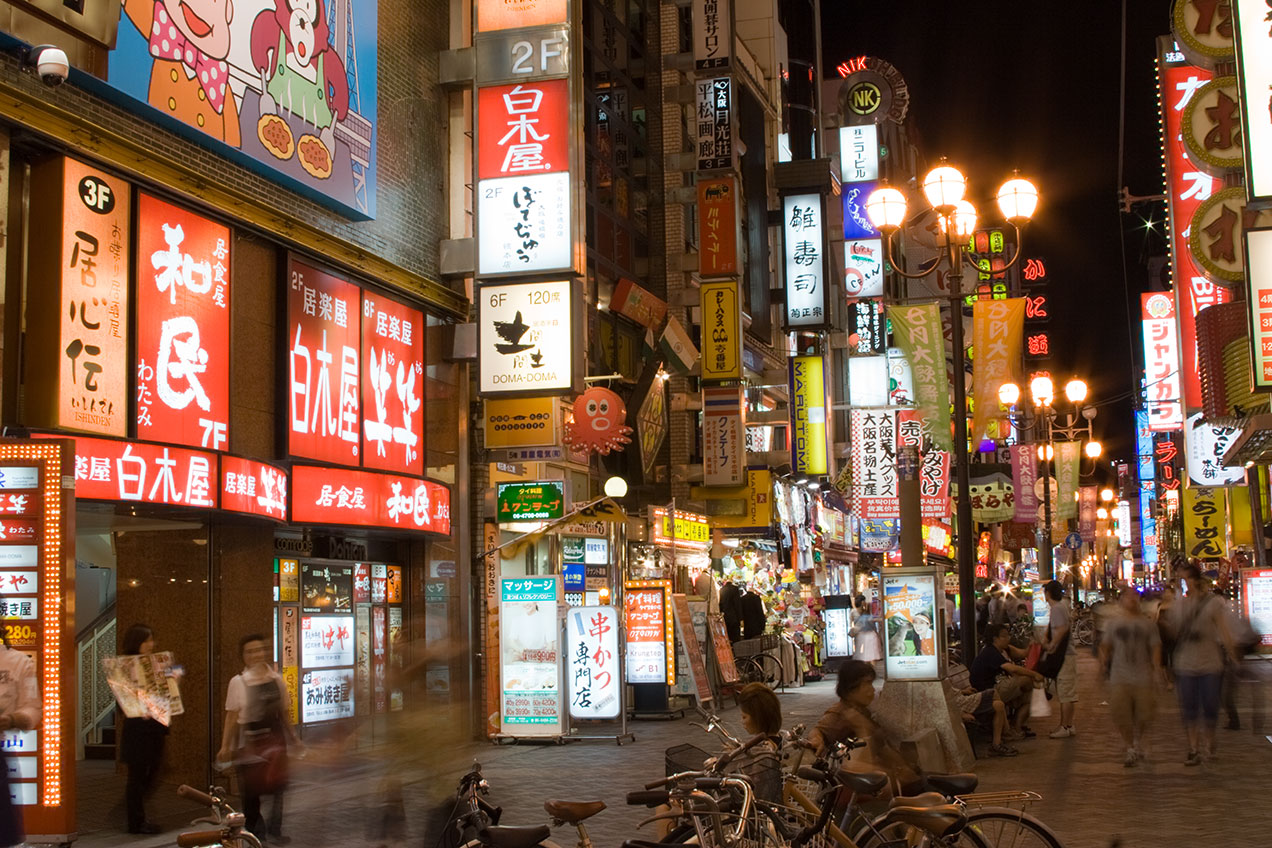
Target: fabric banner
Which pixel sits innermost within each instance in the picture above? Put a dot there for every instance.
(993, 500)
(1068, 460)
(918, 332)
(1205, 522)
(678, 347)
(934, 464)
(1088, 496)
(997, 331)
(1024, 474)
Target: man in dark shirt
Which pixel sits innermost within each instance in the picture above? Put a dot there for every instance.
(996, 667)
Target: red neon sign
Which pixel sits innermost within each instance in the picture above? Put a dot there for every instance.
(117, 470)
(392, 386)
(523, 129)
(254, 488)
(368, 499)
(183, 326)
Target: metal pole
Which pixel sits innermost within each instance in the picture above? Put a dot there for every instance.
(966, 544)
(1047, 566)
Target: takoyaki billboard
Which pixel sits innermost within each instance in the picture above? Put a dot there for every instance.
(288, 85)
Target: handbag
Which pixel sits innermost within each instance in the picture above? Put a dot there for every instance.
(1051, 662)
(265, 769)
(1033, 656)
(1039, 706)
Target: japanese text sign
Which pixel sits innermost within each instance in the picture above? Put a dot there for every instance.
(527, 339)
(809, 449)
(1207, 443)
(253, 487)
(997, 327)
(1161, 363)
(523, 128)
(919, 334)
(529, 650)
(593, 678)
(717, 227)
(531, 501)
(145, 473)
(183, 326)
(648, 621)
(721, 330)
(1259, 274)
(804, 251)
(497, 14)
(688, 530)
(1254, 58)
(723, 436)
(392, 385)
(712, 34)
(323, 344)
(326, 641)
(934, 464)
(859, 153)
(368, 499)
(1205, 522)
(1068, 456)
(522, 422)
(326, 695)
(874, 457)
(715, 123)
(1147, 473)
(1024, 475)
(856, 222)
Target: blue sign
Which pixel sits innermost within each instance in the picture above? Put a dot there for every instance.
(856, 223)
(574, 573)
(1149, 555)
(1073, 541)
(286, 89)
(528, 589)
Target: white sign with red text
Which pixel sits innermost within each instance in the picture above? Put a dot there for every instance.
(326, 641)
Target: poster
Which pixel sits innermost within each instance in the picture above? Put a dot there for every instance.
(691, 649)
(1256, 593)
(362, 655)
(647, 618)
(379, 660)
(911, 633)
(326, 588)
(837, 642)
(326, 694)
(723, 648)
(530, 655)
(145, 685)
(326, 641)
(592, 676)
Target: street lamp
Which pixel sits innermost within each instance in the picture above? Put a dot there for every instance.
(944, 187)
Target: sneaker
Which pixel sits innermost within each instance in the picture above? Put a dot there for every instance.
(1194, 759)
(1061, 733)
(1002, 751)
(1131, 758)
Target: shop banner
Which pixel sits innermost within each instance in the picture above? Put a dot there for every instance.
(1256, 595)
(1205, 522)
(809, 449)
(721, 330)
(1024, 478)
(712, 34)
(392, 385)
(183, 326)
(997, 331)
(1088, 499)
(1068, 457)
(326, 641)
(934, 464)
(1207, 443)
(723, 436)
(638, 304)
(723, 648)
(874, 476)
(530, 655)
(106, 469)
(804, 252)
(594, 682)
(919, 334)
(326, 695)
(253, 488)
(648, 622)
(1254, 58)
(880, 535)
(912, 635)
(717, 227)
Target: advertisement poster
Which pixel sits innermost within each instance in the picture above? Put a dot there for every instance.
(910, 624)
(530, 655)
(1256, 591)
(837, 642)
(397, 654)
(326, 641)
(326, 695)
(592, 676)
(647, 614)
(362, 670)
(144, 686)
(326, 588)
(379, 660)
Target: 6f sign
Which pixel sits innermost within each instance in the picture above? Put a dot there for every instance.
(527, 338)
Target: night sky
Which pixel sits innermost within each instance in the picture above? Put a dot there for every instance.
(1000, 85)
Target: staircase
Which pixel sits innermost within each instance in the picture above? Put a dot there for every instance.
(95, 719)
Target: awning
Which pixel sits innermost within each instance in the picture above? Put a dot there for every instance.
(602, 509)
(1254, 445)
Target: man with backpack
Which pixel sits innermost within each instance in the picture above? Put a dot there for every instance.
(1203, 641)
(1060, 659)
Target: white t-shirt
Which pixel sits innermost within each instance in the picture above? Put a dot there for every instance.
(18, 692)
(238, 694)
(1060, 620)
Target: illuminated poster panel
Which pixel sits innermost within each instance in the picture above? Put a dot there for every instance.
(1259, 278)
(392, 385)
(183, 326)
(651, 657)
(912, 632)
(530, 655)
(593, 677)
(1254, 59)
(804, 252)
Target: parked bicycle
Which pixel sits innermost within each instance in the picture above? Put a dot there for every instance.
(231, 831)
(474, 821)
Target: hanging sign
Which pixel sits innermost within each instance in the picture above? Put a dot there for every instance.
(717, 227)
(1205, 522)
(804, 249)
(593, 680)
(650, 641)
(934, 464)
(1207, 443)
(997, 327)
(596, 423)
(723, 436)
(715, 123)
(919, 333)
(859, 153)
(809, 450)
(712, 34)
(690, 531)
(1161, 363)
(1068, 465)
(1217, 231)
(543, 501)
(1203, 31)
(530, 655)
(639, 304)
(1259, 274)
(1088, 499)
(651, 423)
(527, 339)
(1254, 60)
(874, 472)
(721, 330)
(1024, 477)
(863, 268)
(523, 422)
(857, 223)
(392, 385)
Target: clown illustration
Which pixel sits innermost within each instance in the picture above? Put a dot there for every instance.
(301, 75)
(189, 40)
(598, 425)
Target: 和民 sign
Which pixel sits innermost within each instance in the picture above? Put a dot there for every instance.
(542, 501)
(368, 499)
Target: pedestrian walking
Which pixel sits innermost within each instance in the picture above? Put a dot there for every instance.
(1202, 644)
(19, 710)
(141, 747)
(866, 644)
(256, 736)
(1060, 659)
(1131, 655)
(850, 719)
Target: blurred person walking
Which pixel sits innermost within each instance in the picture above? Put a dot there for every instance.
(255, 736)
(866, 644)
(850, 719)
(19, 710)
(1060, 659)
(1202, 641)
(141, 747)
(1131, 655)
(1236, 672)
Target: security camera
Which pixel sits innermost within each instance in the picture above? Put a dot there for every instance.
(50, 63)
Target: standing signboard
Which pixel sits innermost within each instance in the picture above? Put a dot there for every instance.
(913, 636)
(530, 656)
(1256, 595)
(648, 623)
(692, 649)
(593, 680)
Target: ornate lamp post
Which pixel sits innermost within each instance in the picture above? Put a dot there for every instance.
(944, 187)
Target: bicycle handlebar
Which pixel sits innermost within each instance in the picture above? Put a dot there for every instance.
(651, 798)
(724, 759)
(195, 795)
(197, 838)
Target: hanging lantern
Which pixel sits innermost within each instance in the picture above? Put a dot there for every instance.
(598, 425)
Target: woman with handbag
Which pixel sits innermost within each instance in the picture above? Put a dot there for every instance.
(256, 735)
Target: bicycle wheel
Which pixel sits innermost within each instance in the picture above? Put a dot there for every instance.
(749, 670)
(770, 670)
(1002, 827)
(882, 833)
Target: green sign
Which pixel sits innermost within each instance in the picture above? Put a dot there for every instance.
(918, 331)
(573, 549)
(531, 501)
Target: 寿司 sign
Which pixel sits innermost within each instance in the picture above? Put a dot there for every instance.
(368, 499)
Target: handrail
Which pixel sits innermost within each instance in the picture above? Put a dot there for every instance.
(103, 616)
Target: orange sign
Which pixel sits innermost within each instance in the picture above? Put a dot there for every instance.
(511, 14)
(717, 227)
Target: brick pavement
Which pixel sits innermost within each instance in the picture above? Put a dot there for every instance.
(1088, 796)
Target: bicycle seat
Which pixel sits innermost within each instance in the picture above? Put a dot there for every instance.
(644, 843)
(508, 836)
(953, 784)
(572, 812)
(864, 782)
(926, 799)
(944, 820)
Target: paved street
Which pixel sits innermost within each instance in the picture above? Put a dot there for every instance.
(1088, 796)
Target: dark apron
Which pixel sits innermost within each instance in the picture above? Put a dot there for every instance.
(10, 815)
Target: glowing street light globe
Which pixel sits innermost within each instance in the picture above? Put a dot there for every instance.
(886, 208)
(1043, 390)
(944, 186)
(1009, 394)
(1094, 449)
(964, 217)
(1018, 199)
(1075, 391)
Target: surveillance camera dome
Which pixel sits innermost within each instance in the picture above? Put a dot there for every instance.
(51, 63)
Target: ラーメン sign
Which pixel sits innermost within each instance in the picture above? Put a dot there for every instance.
(527, 338)
(541, 501)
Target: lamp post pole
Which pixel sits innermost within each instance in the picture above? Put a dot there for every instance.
(963, 517)
(1047, 566)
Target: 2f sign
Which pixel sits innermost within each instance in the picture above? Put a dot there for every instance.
(525, 55)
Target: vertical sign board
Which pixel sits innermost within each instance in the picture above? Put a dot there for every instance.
(715, 123)
(712, 34)
(1147, 491)
(1256, 598)
(323, 345)
(1161, 363)
(1205, 522)
(593, 680)
(392, 386)
(914, 640)
(76, 360)
(723, 436)
(874, 458)
(651, 656)
(530, 655)
(804, 251)
(527, 339)
(721, 330)
(1254, 63)
(183, 327)
(859, 153)
(809, 452)
(37, 557)
(717, 227)
(1259, 275)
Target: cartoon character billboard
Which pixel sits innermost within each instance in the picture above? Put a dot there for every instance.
(288, 85)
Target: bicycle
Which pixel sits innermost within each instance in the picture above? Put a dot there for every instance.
(231, 833)
(476, 820)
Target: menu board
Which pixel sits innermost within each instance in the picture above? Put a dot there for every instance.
(530, 655)
(913, 639)
(326, 588)
(692, 648)
(647, 618)
(723, 648)
(1256, 592)
(592, 674)
(326, 694)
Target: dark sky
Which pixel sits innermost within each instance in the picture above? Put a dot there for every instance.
(1000, 85)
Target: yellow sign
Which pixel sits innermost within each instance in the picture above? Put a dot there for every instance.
(521, 423)
(808, 415)
(1205, 522)
(997, 329)
(721, 330)
(690, 530)
(758, 493)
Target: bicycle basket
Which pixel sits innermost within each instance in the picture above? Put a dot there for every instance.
(685, 758)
